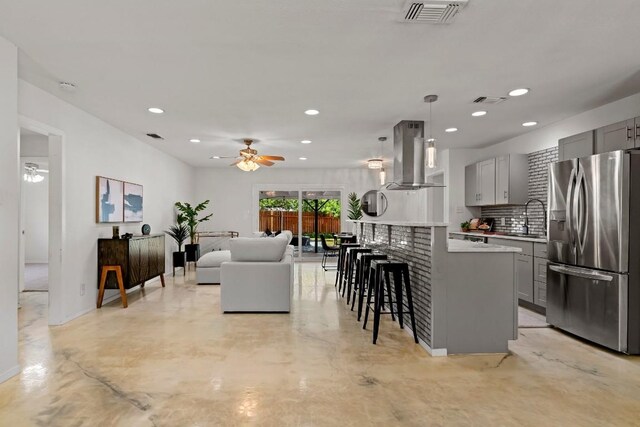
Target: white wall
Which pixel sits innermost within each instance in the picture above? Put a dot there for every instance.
(9, 209)
(231, 193)
(92, 147)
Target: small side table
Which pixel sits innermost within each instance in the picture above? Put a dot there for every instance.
(106, 269)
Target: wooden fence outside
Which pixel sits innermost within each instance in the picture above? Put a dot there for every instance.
(283, 220)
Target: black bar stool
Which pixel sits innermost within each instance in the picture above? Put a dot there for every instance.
(400, 271)
(352, 260)
(362, 279)
(341, 261)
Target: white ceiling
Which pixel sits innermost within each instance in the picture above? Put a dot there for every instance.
(229, 69)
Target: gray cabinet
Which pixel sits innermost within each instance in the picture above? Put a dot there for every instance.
(540, 294)
(524, 277)
(480, 183)
(576, 146)
(618, 136)
(512, 179)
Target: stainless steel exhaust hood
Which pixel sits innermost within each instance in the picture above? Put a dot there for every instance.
(409, 157)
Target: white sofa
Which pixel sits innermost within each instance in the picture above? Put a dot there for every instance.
(259, 276)
(208, 269)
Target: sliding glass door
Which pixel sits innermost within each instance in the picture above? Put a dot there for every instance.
(309, 214)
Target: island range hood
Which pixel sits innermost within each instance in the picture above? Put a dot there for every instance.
(409, 157)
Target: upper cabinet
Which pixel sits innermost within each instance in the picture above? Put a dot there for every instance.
(623, 135)
(512, 179)
(576, 146)
(499, 181)
(480, 183)
(618, 136)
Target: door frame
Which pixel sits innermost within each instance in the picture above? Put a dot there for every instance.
(57, 233)
(255, 201)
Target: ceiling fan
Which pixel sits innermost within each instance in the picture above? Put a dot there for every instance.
(249, 160)
(32, 172)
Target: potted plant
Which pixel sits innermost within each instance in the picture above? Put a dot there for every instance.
(179, 232)
(465, 226)
(355, 209)
(188, 215)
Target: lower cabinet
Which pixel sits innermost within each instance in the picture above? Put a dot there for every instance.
(524, 277)
(540, 294)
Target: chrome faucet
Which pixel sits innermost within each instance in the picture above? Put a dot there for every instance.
(526, 216)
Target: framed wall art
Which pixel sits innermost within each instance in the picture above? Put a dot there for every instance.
(109, 200)
(132, 202)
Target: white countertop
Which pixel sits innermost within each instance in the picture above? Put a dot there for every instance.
(500, 236)
(400, 223)
(455, 245)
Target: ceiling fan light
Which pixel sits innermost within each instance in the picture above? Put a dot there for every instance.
(248, 165)
(374, 163)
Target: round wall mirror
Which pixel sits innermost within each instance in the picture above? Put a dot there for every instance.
(373, 203)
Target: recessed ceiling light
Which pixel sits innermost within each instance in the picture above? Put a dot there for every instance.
(215, 157)
(431, 140)
(519, 92)
(155, 110)
(479, 113)
(312, 112)
(527, 124)
(451, 130)
(305, 141)
(303, 158)
(194, 140)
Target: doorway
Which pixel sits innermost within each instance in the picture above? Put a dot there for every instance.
(34, 212)
(41, 219)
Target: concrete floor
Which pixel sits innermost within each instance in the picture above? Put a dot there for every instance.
(171, 359)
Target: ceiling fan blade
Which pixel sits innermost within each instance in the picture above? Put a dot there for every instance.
(236, 162)
(278, 158)
(263, 162)
(223, 157)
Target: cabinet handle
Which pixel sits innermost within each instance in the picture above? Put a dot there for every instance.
(637, 131)
(505, 194)
(629, 133)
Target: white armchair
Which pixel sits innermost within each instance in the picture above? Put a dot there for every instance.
(259, 277)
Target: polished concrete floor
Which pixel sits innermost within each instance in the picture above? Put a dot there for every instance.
(171, 359)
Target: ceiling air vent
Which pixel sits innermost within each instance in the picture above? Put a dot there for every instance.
(489, 100)
(154, 136)
(433, 11)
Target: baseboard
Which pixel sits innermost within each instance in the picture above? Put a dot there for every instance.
(9, 373)
(434, 352)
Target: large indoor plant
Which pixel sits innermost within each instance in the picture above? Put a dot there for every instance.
(189, 216)
(179, 232)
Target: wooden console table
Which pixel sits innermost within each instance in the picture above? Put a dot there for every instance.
(140, 258)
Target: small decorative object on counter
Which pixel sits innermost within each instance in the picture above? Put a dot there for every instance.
(474, 223)
(465, 226)
(146, 229)
(127, 236)
(116, 232)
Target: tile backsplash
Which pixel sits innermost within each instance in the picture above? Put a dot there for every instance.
(514, 214)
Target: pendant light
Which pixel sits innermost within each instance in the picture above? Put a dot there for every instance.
(383, 174)
(247, 165)
(432, 155)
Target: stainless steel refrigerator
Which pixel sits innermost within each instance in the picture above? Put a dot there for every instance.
(593, 277)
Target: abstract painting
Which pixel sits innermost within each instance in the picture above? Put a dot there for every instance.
(109, 206)
(132, 202)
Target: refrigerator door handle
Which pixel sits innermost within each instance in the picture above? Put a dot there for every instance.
(581, 272)
(580, 204)
(569, 207)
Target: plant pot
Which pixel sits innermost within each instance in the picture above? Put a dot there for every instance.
(193, 252)
(179, 259)
(465, 230)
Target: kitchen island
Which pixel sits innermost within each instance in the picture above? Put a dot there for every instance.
(464, 293)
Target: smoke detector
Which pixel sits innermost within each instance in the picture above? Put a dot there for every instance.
(432, 11)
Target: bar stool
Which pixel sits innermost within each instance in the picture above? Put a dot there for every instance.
(400, 271)
(362, 280)
(352, 260)
(341, 264)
